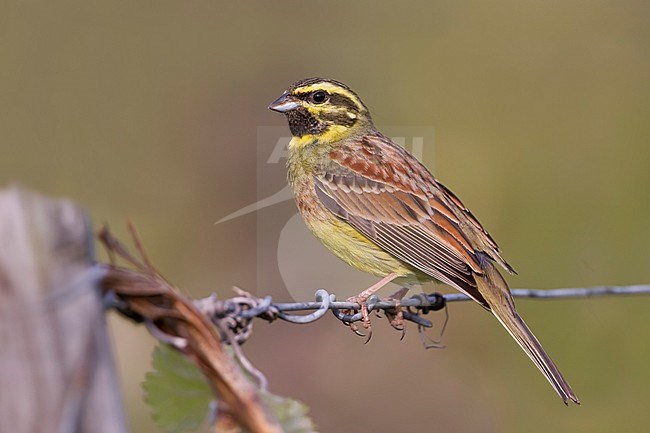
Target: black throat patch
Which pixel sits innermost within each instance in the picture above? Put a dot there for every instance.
(302, 122)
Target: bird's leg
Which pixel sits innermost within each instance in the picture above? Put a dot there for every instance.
(362, 298)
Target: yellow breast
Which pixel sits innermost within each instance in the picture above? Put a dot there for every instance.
(354, 248)
(338, 236)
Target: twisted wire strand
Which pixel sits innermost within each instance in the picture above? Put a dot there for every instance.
(241, 310)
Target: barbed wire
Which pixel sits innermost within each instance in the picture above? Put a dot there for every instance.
(237, 313)
(143, 295)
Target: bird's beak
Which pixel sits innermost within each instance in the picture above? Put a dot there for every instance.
(284, 103)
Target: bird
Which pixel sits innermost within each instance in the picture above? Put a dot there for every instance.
(379, 209)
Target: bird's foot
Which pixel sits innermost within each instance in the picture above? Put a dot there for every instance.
(396, 316)
(362, 300)
(365, 316)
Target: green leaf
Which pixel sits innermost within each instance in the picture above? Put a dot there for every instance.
(176, 391)
(179, 396)
(291, 413)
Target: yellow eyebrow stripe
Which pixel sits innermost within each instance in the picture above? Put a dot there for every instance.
(332, 88)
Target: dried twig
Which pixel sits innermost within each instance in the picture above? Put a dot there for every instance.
(178, 322)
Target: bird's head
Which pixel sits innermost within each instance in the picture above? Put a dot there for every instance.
(322, 109)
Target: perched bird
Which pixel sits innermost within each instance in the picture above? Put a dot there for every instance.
(376, 207)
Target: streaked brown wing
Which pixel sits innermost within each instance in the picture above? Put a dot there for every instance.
(386, 194)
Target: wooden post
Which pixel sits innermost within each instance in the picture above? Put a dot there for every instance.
(56, 369)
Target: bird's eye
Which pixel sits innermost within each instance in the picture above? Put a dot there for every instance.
(319, 97)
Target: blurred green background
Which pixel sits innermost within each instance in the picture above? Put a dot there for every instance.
(150, 110)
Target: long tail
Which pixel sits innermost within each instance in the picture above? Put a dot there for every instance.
(497, 295)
